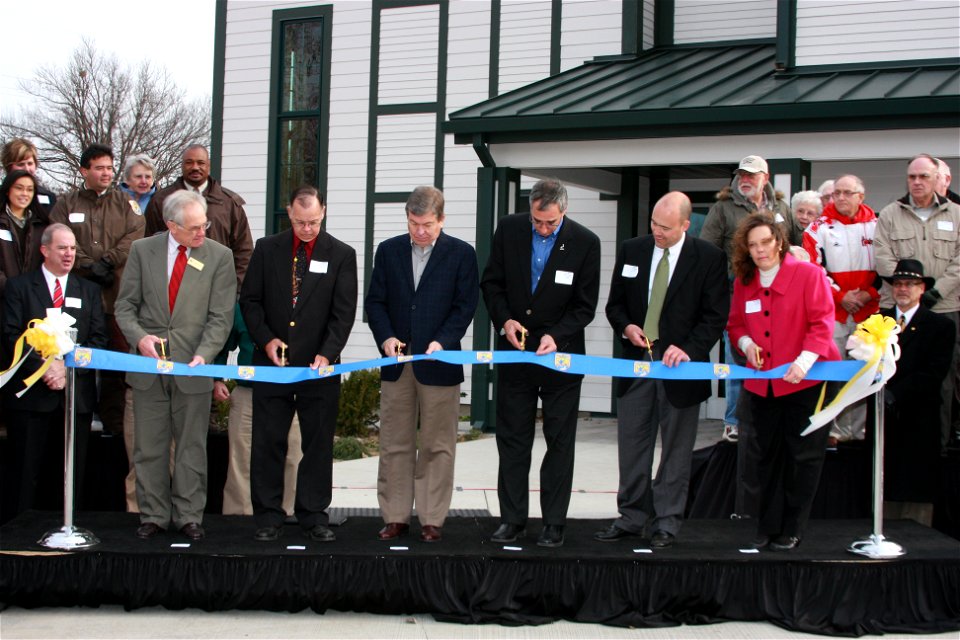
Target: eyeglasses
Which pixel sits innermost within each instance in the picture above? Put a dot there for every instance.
(306, 224)
(845, 193)
(197, 228)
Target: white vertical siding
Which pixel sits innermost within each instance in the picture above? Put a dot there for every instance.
(524, 43)
(409, 41)
(716, 20)
(851, 31)
(590, 28)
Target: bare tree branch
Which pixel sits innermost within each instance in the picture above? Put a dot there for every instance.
(96, 98)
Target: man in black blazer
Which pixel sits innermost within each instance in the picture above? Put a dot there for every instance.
(299, 300)
(693, 300)
(912, 397)
(35, 420)
(540, 286)
(422, 296)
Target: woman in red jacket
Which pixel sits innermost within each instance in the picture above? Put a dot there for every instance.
(782, 313)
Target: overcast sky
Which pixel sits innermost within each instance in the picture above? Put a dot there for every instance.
(176, 34)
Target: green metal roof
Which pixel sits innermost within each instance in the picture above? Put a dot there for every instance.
(712, 90)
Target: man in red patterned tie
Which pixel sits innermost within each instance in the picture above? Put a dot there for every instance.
(176, 303)
(35, 420)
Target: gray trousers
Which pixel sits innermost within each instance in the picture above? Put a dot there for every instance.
(165, 414)
(642, 411)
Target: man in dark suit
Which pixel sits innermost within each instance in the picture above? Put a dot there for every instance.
(299, 300)
(35, 420)
(912, 397)
(540, 286)
(668, 301)
(176, 303)
(422, 296)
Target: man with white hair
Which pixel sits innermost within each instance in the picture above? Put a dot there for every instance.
(943, 185)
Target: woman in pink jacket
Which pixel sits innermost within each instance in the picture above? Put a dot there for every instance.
(782, 313)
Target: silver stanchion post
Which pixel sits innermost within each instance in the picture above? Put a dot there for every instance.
(876, 546)
(68, 536)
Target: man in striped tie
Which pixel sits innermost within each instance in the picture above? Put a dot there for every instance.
(35, 420)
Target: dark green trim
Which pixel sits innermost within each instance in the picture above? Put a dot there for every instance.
(323, 14)
(628, 222)
(786, 34)
(375, 110)
(799, 170)
(556, 33)
(663, 11)
(219, 75)
(483, 152)
(932, 63)
(631, 27)
(493, 81)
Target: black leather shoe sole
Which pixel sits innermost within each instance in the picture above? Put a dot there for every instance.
(613, 533)
(508, 533)
(320, 533)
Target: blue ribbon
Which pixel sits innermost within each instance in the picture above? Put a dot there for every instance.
(565, 362)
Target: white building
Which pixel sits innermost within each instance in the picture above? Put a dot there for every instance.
(622, 99)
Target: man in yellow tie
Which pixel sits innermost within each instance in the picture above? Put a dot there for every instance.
(668, 298)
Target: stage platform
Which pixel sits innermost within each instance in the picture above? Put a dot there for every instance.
(705, 578)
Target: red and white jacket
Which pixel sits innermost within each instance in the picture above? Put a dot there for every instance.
(844, 248)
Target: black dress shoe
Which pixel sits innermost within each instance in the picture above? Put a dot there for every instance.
(192, 530)
(760, 541)
(268, 533)
(319, 533)
(551, 536)
(148, 530)
(785, 543)
(508, 533)
(662, 539)
(614, 533)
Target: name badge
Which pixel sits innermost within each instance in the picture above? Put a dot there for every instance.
(778, 218)
(753, 306)
(318, 266)
(563, 277)
(944, 225)
(630, 271)
(77, 218)
(43, 198)
(6, 235)
(196, 264)
(75, 303)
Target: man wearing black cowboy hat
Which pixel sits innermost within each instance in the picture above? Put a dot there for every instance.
(912, 397)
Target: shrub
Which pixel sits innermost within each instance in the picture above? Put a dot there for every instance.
(359, 403)
(347, 449)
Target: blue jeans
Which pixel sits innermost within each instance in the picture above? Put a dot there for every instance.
(733, 386)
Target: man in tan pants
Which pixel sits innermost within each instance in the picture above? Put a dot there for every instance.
(422, 296)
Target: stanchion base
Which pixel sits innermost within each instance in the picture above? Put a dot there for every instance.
(68, 538)
(877, 547)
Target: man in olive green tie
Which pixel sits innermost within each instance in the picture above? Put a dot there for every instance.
(677, 284)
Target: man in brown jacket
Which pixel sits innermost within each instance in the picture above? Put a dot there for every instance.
(228, 220)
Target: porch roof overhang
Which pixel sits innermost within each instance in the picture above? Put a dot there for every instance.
(719, 89)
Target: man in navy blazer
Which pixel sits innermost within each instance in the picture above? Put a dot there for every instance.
(692, 314)
(540, 286)
(299, 300)
(35, 420)
(422, 296)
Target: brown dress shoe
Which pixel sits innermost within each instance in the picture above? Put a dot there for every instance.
(393, 530)
(148, 530)
(430, 533)
(192, 530)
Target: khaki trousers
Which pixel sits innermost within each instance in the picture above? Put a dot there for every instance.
(236, 491)
(417, 469)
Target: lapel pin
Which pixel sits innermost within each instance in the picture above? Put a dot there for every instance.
(562, 246)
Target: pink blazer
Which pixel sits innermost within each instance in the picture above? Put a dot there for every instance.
(794, 314)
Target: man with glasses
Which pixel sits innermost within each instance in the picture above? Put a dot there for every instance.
(299, 301)
(924, 226)
(912, 397)
(841, 241)
(540, 285)
(176, 304)
(228, 220)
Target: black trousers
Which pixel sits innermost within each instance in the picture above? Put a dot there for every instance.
(33, 477)
(788, 464)
(518, 388)
(316, 405)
